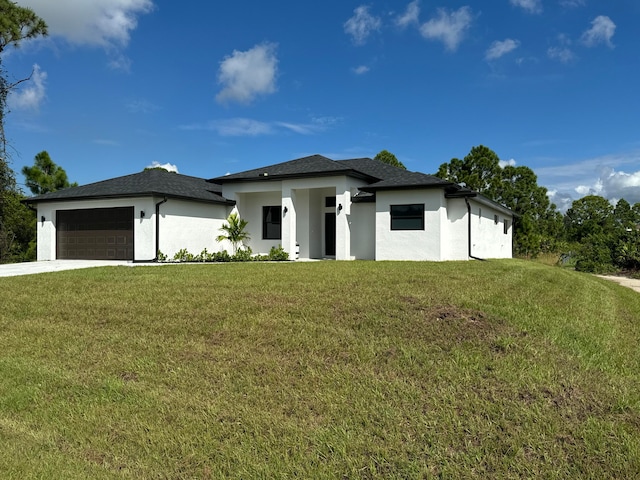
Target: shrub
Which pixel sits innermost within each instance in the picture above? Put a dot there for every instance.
(183, 256)
(278, 254)
(243, 255)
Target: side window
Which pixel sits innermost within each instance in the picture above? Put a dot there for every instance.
(407, 217)
(271, 223)
(496, 219)
(506, 226)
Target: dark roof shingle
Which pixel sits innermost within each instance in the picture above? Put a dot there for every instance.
(156, 182)
(311, 166)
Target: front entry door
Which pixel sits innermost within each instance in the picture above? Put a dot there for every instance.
(330, 234)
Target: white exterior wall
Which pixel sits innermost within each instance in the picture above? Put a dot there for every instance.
(410, 244)
(183, 224)
(488, 239)
(143, 228)
(303, 223)
(363, 230)
(249, 207)
(190, 225)
(455, 232)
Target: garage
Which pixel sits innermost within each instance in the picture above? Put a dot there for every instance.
(95, 234)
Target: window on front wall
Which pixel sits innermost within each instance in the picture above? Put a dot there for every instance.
(506, 226)
(407, 217)
(271, 223)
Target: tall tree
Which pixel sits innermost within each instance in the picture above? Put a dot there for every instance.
(589, 216)
(16, 24)
(385, 156)
(45, 176)
(538, 224)
(479, 171)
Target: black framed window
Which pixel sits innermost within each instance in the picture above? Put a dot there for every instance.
(329, 201)
(506, 226)
(272, 222)
(407, 217)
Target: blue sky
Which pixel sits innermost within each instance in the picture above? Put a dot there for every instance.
(217, 87)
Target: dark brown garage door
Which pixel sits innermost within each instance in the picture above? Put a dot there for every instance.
(95, 234)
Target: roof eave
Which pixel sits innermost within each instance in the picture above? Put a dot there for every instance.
(35, 200)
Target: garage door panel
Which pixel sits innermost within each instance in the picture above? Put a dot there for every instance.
(96, 233)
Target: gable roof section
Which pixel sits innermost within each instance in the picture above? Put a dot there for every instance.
(153, 182)
(312, 166)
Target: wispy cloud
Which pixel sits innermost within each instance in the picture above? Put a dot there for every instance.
(572, 3)
(531, 6)
(106, 142)
(410, 15)
(562, 54)
(102, 23)
(360, 70)
(448, 27)
(247, 75)
(601, 31)
(361, 25)
(141, 106)
(501, 48)
(247, 127)
(30, 95)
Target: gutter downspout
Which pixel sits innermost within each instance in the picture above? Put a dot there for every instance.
(466, 200)
(158, 227)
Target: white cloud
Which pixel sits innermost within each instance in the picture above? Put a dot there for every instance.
(601, 31)
(141, 106)
(167, 166)
(562, 54)
(447, 27)
(246, 127)
(613, 184)
(561, 200)
(603, 176)
(498, 49)
(360, 70)
(572, 3)
(105, 23)
(511, 163)
(245, 75)
(410, 16)
(29, 96)
(361, 25)
(531, 6)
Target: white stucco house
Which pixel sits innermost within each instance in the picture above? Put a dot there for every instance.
(314, 207)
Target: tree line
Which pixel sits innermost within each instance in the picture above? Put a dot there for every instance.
(592, 235)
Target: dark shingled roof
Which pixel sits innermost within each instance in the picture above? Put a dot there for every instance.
(156, 182)
(379, 175)
(312, 166)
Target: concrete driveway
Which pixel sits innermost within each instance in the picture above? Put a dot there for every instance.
(632, 283)
(31, 268)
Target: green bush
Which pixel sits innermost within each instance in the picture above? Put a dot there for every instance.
(278, 254)
(594, 255)
(243, 255)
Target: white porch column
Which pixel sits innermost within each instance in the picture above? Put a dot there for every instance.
(343, 230)
(289, 221)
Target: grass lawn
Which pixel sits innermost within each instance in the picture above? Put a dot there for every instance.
(499, 369)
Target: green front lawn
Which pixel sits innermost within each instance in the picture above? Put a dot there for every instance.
(499, 369)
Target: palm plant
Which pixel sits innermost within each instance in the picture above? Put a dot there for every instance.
(234, 231)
